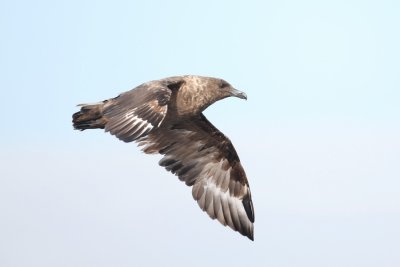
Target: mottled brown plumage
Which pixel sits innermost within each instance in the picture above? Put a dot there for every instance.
(165, 116)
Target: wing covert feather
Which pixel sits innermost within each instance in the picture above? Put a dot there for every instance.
(202, 157)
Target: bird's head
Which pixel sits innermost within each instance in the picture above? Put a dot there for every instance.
(216, 89)
(207, 90)
(225, 89)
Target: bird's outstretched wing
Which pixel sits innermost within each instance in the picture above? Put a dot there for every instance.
(135, 113)
(201, 156)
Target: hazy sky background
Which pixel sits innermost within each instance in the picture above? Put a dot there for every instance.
(319, 136)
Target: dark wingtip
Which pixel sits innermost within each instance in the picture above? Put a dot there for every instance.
(251, 237)
(248, 207)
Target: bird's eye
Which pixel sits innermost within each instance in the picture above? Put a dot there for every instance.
(224, 84)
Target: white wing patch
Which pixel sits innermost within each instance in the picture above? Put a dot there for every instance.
(142, 125)
(133, 124)
(215, 196)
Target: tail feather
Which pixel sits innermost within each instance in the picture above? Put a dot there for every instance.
(89, 117)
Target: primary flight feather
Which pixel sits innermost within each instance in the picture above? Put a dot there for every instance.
(165, 116)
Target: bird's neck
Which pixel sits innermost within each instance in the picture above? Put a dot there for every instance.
(189, 101)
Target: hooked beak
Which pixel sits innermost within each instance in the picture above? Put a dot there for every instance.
(237, 93)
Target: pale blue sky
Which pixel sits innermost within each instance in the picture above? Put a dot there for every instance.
(318, 136)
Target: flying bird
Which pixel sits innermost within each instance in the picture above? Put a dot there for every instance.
(165, 116)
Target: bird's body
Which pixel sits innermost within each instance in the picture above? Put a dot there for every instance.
(165, 116)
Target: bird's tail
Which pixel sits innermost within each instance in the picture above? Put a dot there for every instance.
(89, 117)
